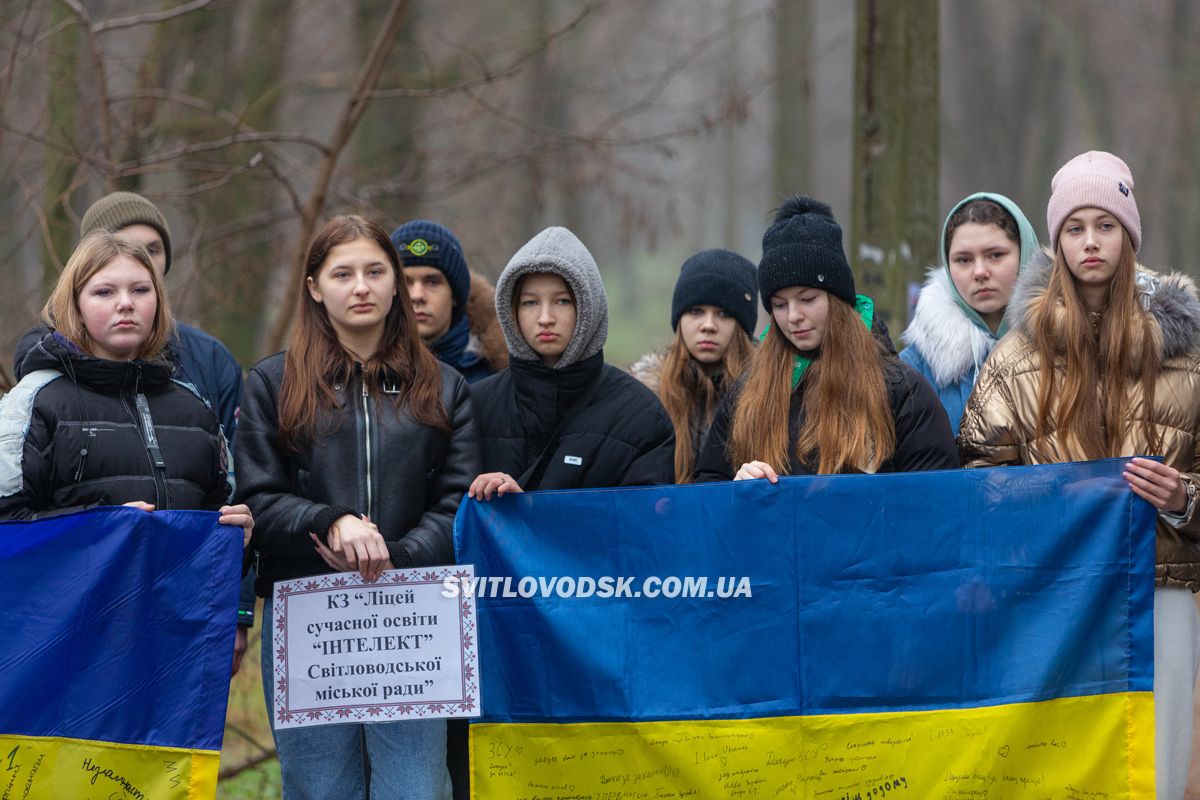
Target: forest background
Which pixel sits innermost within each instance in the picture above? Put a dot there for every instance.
(651, 128)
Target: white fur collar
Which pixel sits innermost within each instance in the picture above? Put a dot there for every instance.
(944, 336)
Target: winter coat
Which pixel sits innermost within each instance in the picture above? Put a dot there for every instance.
(80, 431)
(923, 437)
(200, 360)
(945, 347)
(947, 340)
(999, 426)
(648, 370)
(623, 436)
(474, 345)
(406, 476)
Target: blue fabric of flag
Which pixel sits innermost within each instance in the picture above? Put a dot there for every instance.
(870, 593)
(118, 626)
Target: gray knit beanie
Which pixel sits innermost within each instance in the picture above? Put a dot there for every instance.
(559, 252)
(121, 209)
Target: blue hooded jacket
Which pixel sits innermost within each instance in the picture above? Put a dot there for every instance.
(947, 340)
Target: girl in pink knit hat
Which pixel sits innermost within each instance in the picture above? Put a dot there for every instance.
(1102, 361)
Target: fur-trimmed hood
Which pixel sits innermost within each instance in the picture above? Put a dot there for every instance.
(1171, 299)
(648, 370)
(951, 344)
(487, 340)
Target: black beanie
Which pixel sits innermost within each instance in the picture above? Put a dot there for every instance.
(803, 247)
(717, 278)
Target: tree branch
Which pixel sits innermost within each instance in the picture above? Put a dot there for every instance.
(356, 106)
(6, 87)
(43, 223)
(146, 19)
(219, 144)
(488, 76)
(106, 138)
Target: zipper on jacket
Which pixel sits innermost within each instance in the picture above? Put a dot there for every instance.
(150, 439)
(367, 446)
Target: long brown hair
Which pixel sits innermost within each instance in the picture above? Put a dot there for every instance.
(95, 252)
(848, 424)
(1091, 408)
(685, 387)
(316, 359)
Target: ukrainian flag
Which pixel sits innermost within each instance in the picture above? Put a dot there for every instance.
(965, 634)
(117, 642)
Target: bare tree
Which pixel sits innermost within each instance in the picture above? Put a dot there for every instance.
(189, 105)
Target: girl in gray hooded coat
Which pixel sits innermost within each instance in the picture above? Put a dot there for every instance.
(559, 417)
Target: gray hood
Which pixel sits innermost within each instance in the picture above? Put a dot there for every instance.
(559, 252)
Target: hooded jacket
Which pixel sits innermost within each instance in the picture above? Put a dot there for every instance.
(947, 340)
(622, 437)
(406, 477)
(80, 431)
(999, 426)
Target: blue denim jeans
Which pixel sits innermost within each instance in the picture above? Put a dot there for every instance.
(408, 759)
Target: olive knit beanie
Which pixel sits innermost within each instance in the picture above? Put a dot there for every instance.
(122, 209)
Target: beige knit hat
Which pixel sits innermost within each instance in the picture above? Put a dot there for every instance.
(120, 209)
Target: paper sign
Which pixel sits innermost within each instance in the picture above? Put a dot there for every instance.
(401, 647)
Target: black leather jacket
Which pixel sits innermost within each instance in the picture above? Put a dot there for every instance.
(407, 477)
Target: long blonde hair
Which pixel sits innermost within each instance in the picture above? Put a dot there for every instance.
(847, 425)
(1097, 360)
(95, 252)
(685, 387)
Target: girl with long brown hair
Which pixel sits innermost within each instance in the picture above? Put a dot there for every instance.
(1103, 360)
(823, 394)
(354, 449)
(713, 311)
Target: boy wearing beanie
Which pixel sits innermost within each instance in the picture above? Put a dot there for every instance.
(452, 305)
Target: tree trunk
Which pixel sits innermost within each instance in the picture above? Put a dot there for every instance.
(62, 100)
(793, 92)
(895, 185)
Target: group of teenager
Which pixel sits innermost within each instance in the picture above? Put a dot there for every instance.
(409, 383)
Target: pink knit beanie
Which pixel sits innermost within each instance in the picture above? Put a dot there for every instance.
(1094, 180)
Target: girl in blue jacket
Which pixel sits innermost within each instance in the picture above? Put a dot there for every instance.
(986, 241)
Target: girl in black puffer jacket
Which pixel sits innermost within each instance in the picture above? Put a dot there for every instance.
(559, 417)
(97, 419)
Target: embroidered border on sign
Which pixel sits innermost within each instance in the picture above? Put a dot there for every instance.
(378, 712)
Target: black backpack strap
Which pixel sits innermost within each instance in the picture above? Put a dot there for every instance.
(531, 479)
